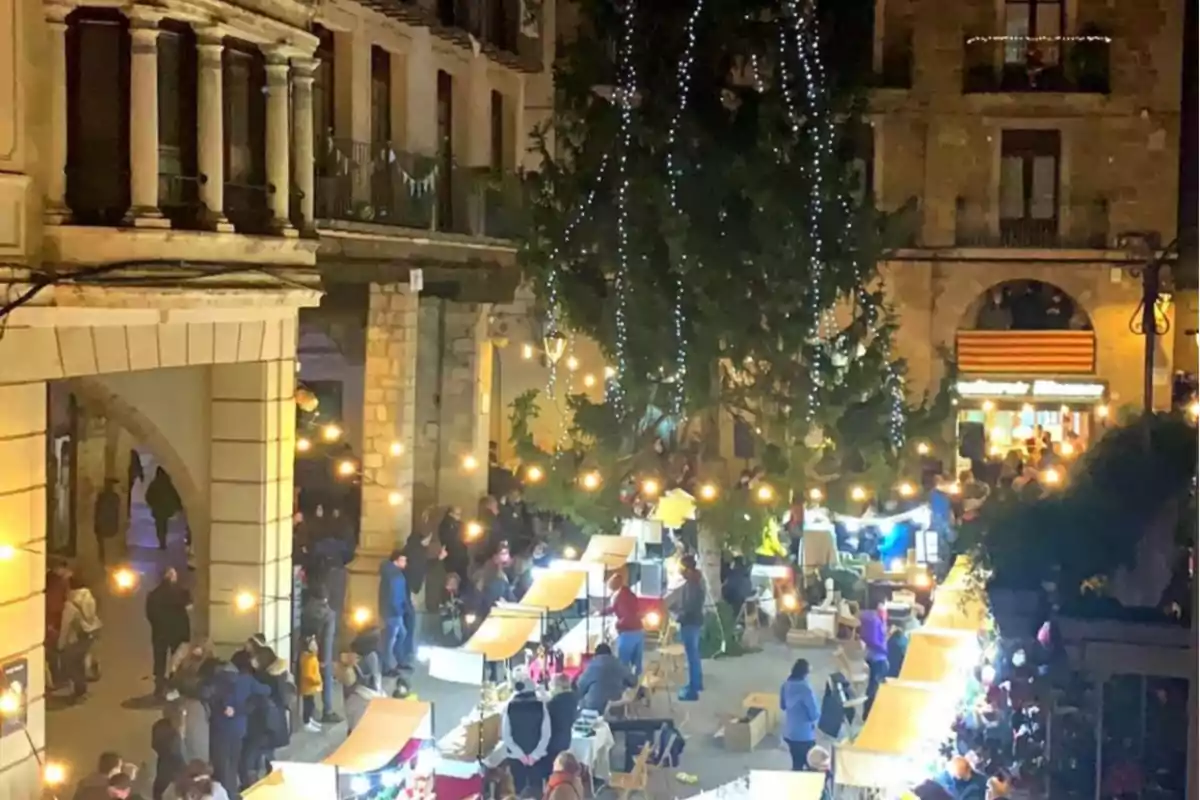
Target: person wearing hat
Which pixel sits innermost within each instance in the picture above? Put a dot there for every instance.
(688, 606)
(565, 782)
(525, 732)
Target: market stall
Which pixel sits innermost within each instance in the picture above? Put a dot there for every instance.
(964, 610)
(900, 738)
(290, 780)
(501, 635)
(938, 658)
(771, 783)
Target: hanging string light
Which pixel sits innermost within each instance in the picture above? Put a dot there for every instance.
(814, 116)
(552, 309)
(809, 47)
(625, 96)
(684, 77)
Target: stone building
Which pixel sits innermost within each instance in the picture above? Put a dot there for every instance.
(421, 117)
(1040, 143)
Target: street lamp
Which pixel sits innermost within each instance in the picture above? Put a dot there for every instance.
(1145, 321)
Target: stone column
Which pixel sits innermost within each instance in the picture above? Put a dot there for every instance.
(250, 546)
(56, 145)
(302, 136)
(278, 159)
(389, 396)
(23, 576)
(453, 404)
(143, 123)
(211, 136)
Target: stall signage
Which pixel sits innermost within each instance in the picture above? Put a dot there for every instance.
(1033, 389)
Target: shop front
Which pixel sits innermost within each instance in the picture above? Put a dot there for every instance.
(998, 415)
(1029, 392)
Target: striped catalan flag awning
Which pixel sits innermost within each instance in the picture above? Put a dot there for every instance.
(1027, 352)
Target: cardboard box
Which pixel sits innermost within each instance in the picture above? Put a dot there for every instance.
(744, 733)
(769, 703)
(799, 638)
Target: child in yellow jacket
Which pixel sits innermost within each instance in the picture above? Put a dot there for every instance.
(310, 684)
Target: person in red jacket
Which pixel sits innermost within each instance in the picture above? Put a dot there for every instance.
(631, 639)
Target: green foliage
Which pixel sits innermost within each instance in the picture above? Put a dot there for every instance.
(1094, 525)
(764, 248)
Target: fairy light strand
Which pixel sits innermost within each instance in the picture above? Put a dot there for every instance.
(625, 96)
(814, 113)
(683, 76)
(552, 309)
(892, 382)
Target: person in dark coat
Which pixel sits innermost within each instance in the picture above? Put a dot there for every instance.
(106, 517)
(166, 739)
(563, 708)
(164, 504)
(603, 681)
(134, 474)
(317, 620)
(267, 728)
(737, 588)
(450, 535)
(416, 573)
(525, 732)
(229, 696)
(329, 558)
(689, 613)
(170, 626)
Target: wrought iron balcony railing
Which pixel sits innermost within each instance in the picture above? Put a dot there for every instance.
(1084, 226)
(378, 183)
(1003, 64)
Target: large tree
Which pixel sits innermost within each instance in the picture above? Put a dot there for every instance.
(697, 215)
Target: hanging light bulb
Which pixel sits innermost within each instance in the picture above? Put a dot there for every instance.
(527, 351)
(858, 494)
(470, 463)
(572, 363)
(988, 405)
(331, 432)
(534, 474)
(303, 445)
(396, 449)
(590, 481)
(708, 491)
(816, 495)
(906, 489)
(395, 498)
(589, 380)
(609, 373)
(650, 487)
(555, 344)
(764, 493)
(922, 449)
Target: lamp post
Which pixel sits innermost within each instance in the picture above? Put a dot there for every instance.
(1145, 322)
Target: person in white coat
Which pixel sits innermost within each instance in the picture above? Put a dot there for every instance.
(79, 630)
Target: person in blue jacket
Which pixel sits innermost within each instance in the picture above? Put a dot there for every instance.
(229, 696)
(800, 714)
(393, 610)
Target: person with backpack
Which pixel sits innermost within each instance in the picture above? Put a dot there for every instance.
(267, 728)
(78, 632)
(230, 695)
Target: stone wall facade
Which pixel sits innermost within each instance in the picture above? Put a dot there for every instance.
(1117, 172)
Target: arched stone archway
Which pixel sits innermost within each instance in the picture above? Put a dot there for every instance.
(999, 307)
(94, 394)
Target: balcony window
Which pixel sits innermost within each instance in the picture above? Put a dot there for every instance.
(381, 95)
(245, 109)
(445, 138)
(1033, 29)
(497, 132)
(1029, 174)
(97, 116)
(323, 90)
(179, 179)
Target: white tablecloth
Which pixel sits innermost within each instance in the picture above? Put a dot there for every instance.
(593, 751)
